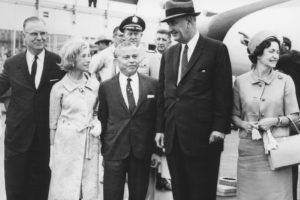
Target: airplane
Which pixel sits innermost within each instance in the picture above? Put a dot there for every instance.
(279, 16)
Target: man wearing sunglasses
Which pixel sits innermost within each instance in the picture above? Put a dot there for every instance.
(30, 75)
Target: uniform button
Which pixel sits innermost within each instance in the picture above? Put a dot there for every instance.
(263, 99)
(177, 99)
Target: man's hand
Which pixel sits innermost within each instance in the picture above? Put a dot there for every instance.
(159, 139)
(216, 136)
(155, 160)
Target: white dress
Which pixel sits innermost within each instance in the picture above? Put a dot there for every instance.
(75, 151)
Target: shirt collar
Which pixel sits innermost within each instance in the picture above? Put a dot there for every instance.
(267, 79)
(30, 56)
(134, 77)
(193, 42)
(70, 85)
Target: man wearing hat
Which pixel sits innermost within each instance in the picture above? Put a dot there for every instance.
(102, 42)
(133, 27)
(102, 63)
(194, 104)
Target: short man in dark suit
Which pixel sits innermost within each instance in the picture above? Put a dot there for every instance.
(127, 111)
(30, 75)
(194, 105)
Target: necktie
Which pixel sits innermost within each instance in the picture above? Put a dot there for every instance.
(33, 68)
(184, 60)
(130, 97)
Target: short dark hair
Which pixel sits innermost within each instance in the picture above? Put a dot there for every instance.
(32, 19)
(259, 50)
(164, 31)
(287, 42)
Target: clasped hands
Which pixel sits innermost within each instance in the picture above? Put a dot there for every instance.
(263, 124)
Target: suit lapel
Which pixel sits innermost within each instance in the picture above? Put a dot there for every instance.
(117, 88)
(25, 72)
(142, 92)
(195, 56)
(176, 60)
(46, 69)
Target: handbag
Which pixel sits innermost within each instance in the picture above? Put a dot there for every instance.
(288, 151)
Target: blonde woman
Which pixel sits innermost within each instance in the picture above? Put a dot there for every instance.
(263, 101)
(74, 129)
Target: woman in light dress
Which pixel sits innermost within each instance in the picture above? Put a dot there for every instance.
(263, 98)
(74, 128)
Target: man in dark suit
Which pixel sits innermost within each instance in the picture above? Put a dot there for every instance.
(289, 63)
(127, 112)
(194, 105)
(30, 76)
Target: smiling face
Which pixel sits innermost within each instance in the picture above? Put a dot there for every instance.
(270, 56)
(128, 60)
(83, 60)
(180, 29)
(35, 36)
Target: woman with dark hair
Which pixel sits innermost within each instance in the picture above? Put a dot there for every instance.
(264, 100)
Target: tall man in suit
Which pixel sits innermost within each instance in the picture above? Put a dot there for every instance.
(127, 112)
(194, 104)
(30, 76)
(289, 63)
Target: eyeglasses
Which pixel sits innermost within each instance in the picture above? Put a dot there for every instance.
(35, 34)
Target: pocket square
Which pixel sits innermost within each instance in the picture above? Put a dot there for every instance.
(150, 96)
(52, 80)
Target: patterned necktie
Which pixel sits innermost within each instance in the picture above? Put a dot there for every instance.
(130, 97)
(33, 68)
(184, 59)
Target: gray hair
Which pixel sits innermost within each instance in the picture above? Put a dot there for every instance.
(123, 45)
(32, 19)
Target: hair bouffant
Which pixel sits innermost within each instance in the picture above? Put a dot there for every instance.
(259, 50)
(69, 52)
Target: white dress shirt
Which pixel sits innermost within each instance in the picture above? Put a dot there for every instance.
(134, 85)
(191, 46)
(40, 65)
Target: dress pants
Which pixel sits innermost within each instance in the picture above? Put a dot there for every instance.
(115, 175)
(194, 177)
(27, 174)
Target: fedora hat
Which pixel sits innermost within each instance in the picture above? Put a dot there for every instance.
(179, 8)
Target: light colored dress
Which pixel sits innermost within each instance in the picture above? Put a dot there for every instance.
(75, 151)
(255, 99)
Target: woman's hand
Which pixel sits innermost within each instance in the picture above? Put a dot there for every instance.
(52, 136)
(266, 123)
(248, 126)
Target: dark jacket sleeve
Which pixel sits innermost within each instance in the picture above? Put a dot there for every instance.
(222, 83)
(4, 80)
(102, 111)
(160, 121)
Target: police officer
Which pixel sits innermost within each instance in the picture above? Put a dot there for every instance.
(133, 28)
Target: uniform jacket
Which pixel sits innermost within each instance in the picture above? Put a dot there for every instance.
(123, 132)
(28, 110)
(202, 100)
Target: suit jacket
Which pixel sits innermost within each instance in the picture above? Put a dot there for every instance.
(202, 100)
(124, 132)
(28, 110)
